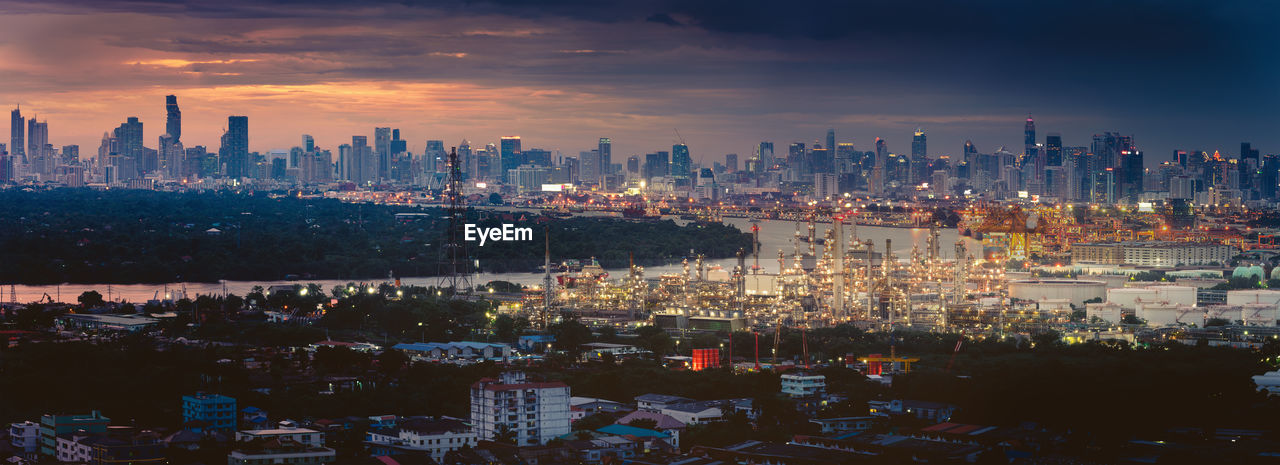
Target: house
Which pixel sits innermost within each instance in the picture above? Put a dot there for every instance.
(644, 436)
(456, 350)
(435, 437)
(657, 402)
(25, 439)
(534, 342)
(119, 445)
(253, 418)
(598, 450)
(922, 409)
(843, 425)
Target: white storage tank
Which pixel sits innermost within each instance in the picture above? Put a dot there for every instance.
(1108, 312)
(1259, 314)
(1075, 290)
(1231, 313)
(1253, 296)
(1182, 295)
(1127, 296)
(1169, 314)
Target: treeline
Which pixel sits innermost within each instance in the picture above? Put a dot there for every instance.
(131, 236)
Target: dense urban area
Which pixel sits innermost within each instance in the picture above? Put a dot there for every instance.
(1065, 304)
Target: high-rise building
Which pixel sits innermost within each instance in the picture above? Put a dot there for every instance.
(919, 146)
(764, 153)
(681, 162)
(234, 152)
(657, 164)
(535, 412)
(633, 165)
(1029, 139)
(509, 154)
(382, 146)
(128, 146)
(173, 118)
(831, 141)
(308, 143)
(731, 162)
(605, 147)
(41, 161)
(17, 137)
(1053, 149)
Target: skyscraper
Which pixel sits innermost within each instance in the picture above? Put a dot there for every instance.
(919, 147)
(831, 141)
(681, 163)
(382, 145)
(37, 137)
(234, 152)
(128, 141)
(308, 143)
(764, 153)
(17, 138)
(606, 156)
(731, 162)
(1053, 149)
(509, 154)
(173, 118)
(1029, 133)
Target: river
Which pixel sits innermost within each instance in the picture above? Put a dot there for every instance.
(774, 235)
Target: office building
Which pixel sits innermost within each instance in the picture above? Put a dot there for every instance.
(173, 118)
(509, 155)
(681, 162)
(234, 152)
(17, 136)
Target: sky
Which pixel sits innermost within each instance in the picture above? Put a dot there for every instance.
(725, 74)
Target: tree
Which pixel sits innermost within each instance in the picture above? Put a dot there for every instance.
(504, 328)
(495, 199)
(504, 434)
(90, 299)
(646, 423)
(570, 335)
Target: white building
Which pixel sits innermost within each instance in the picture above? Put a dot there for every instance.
(286, 431)
(288, 452)
(435, 436)
(75, 447)
(804, 385)
(534, 412)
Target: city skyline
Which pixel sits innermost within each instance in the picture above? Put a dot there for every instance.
(562, 75)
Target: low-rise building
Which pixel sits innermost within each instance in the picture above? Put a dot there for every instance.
(282, 451)
(804, 385)
(52, 426)
(218, 411)
(25, 438)
(117, 323)
(433, 436)
(456, 350)
(286, 431)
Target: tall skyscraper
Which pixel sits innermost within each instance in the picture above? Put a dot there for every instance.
(919, 146)
(37, 137)
(731, 162)
(1029, 139)
(605, 147)
(234, 152)
(831, 141)
(128, 142)
(509, 154)
(173, 118)
(308, 143)
(17, 138)
(1053, 149)
(681, 162)
(382, 146)
(764, 153)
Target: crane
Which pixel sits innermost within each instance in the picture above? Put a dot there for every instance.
(954, 353)
(678, 136)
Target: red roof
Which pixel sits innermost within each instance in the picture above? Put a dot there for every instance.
(940, 427)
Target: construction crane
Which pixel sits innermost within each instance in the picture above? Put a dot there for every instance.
(678, 136)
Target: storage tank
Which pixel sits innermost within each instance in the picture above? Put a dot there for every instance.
(1259, 314)
(1108, 312)
(1169, 314)
(1127, 296)
(1253, 296)
(1182, 295)
(1231, 313)
(1075, 290)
